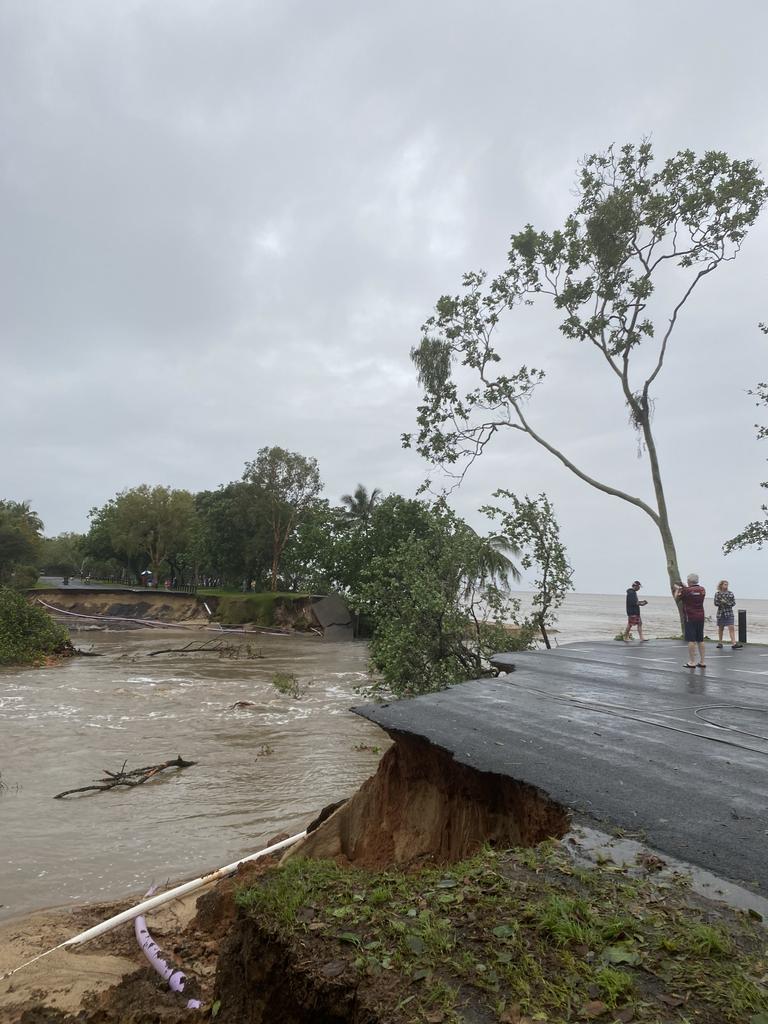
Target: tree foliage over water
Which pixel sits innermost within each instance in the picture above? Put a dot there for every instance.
(438, 604)
(27, 633)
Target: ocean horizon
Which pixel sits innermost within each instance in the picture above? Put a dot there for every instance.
(602, 616)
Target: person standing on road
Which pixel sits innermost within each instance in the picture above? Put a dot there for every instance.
(692, 598)
(724, 602)
(633, 612)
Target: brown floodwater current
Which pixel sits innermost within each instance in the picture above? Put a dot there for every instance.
(261, 769)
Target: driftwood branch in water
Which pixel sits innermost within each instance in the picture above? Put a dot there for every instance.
(212, 646)
(136, 777)
(193, 647)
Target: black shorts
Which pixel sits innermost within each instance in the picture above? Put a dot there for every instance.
(694, 632)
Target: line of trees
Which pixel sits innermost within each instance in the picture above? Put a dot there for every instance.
(242, 533)
(430, 592)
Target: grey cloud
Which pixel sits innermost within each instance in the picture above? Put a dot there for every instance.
(223, 225)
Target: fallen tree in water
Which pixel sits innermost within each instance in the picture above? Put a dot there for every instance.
(136, 777)
(221, 647)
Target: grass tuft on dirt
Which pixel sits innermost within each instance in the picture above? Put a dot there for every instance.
(518, 937)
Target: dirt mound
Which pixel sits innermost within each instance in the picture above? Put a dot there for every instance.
(422, 805)
(44, 1015)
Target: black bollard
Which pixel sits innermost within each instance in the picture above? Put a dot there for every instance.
(742, 625)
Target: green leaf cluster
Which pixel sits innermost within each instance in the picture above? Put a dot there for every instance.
(754, 534)
(532, 528)
(438, 603)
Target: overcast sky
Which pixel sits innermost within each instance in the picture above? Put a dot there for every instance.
(224, 223)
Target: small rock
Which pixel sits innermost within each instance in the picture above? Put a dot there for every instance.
(593, 1009)
(333, 968)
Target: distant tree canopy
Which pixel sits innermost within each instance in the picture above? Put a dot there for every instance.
(235, 538)
(62, 555)
(21, 543)
(237, 534)
(359, 506)
(289, 485)
(150, 525)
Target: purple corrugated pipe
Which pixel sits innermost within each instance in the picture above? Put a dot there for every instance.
(175, 977)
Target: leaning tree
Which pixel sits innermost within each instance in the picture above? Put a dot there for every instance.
(619, 272)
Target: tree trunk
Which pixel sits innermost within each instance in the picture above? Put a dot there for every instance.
(673, 570)
(543, 629)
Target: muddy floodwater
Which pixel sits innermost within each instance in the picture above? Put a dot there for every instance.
(261, 769)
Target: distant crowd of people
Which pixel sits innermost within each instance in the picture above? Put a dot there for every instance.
(691, 598)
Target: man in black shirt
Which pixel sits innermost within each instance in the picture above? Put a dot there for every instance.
(633, 612)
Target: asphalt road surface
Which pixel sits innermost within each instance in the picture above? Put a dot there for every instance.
(626, 737)
(75, 583)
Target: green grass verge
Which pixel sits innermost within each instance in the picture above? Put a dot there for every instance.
(519, 936)
(257, 608)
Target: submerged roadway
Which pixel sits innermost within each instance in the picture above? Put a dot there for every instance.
(626, 737)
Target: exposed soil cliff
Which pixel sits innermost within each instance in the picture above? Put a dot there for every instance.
(422, 806)
(122, 608)
(127, 604)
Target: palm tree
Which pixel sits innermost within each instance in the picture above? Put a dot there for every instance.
(359, 506)
(497, 559)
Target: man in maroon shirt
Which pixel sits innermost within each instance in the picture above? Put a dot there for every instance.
(692, 599)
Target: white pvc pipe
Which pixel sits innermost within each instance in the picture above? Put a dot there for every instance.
(111, 618)
(158, 901)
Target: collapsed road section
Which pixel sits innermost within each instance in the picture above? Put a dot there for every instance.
(626, 738)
